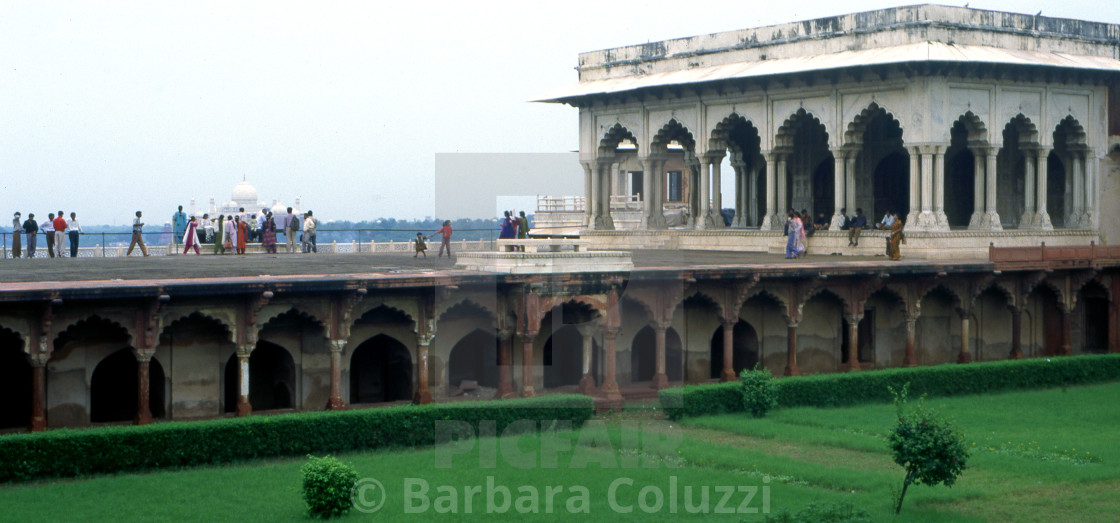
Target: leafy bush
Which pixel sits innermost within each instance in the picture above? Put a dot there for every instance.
(759, 394)
(926, 445)
(842, 512)
(66, 452)
(855, 388)
(327, 485)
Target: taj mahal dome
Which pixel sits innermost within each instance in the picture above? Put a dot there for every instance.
(244, 195)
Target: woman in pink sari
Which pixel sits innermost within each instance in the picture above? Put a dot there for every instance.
(795, 245)
(190, 238)
(231, 233)
(268, 235)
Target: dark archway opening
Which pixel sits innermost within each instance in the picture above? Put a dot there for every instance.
(1051, 320)
(892, 185)
(231, 387)
(475, 358)
(960, 194)
(1056, 190)
(824, 189)
(744, 349)
(115, 384)
(563, 358)
(380, 371)
(272, 377)
(643, 355)
(15, 383)
(1096, 304)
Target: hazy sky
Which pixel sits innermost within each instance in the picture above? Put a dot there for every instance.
(109, 107)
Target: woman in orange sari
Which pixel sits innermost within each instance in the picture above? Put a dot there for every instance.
(895, 239)
(242, 235)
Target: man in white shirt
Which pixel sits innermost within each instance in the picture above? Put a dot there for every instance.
(207, 229)
(309, 226)
(137, 235)
(47, 228)
(887, 221)
(74, 229)
(261, 218)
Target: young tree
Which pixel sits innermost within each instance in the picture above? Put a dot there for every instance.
(926, 445)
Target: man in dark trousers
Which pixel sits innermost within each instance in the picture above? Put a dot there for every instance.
(31, 232)
(855, 227)
(17, 230)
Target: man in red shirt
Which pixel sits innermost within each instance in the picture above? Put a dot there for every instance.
(446, 232)
(59, 233)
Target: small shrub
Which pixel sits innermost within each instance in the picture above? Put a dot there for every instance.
(759, 393)
(842, 512)
(926, 445)
(327, 484)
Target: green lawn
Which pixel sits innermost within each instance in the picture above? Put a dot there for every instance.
(1041, 455)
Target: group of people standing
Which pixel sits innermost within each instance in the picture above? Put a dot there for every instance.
(799, 228)
(232, 232)
(56, 229)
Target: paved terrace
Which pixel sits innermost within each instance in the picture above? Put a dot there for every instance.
(218, 273)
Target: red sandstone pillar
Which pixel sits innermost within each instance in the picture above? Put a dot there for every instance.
(527, 390)
(143, 390)
(335, 402)
(791, 351)
(1066, 347)
(38, 397)
(728, 373)
(660, 378)
(1016, 334)
(244, 408)
(853, 342)
(505, 376)
(423, 395)
(911, 342)
(965, 355)
(610, 382)
(586, 381)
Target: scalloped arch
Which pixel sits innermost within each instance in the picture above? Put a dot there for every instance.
(614, 136)
(1076, 134)
(465, 304)
(170, 321)
(24, 346)
(794, 123)
(977, 130)
(721, 135)
(1028, 131)
(853, 135)
(672, 130)
(91, 319)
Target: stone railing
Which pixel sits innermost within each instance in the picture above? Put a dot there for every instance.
(1043, 257)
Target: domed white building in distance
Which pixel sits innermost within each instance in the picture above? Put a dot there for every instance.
(244, 195)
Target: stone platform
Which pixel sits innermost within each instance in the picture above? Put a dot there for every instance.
(546, 262)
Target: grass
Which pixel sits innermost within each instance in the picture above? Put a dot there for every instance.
(1038, 456)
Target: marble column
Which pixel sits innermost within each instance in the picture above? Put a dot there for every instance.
(752, 199)
(915, 210)
(38, 394)
(770, 220)
(654, 215)
(1089, 211)
(335, 401)
(977, 189)
(741, 188)
(505, 362)
(605, 222)
(244, 407)
(838, 162)
(911, 341)
(588, 195)
(1042, 219)
(660, 378)
(717, 195)
(527, 390)
(991, 215)
(593, 198)
(791, 350)
(853, 342)
(850, 184)
(942, 221)
(703, 201)
(1029, 209)
(781, 177)
(965, 355)
(1074, 214)
(927, 220)
(143, 389)
(728, 373)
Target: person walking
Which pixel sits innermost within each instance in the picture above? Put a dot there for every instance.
(47, 228)
(446, 232)
(73, 228)
(895, 239)
(31, 231)
(421, 246)
(190, 237)
(220, 235)
(17, 231)
(60, 234)
(310, 224)
(856, 227)
(268, 234)
(795, 245)
(137, 235)
(291, 227)
(178, 226)
(242, 234)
